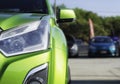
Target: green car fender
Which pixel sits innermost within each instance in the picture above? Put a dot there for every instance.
(59, 57)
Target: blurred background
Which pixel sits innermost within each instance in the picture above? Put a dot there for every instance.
(93, 61)
(105, 15)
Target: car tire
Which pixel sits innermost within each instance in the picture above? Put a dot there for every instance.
(117, 53)
(90, 54)
(76, 56)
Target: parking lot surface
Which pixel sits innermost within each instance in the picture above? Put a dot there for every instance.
(105, 70)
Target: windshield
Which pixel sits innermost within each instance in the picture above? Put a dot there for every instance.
(101, 40)
(25, 6)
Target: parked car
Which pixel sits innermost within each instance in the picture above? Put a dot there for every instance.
(102, 46)
(80, 45)
(117, 42)
(72, 46)
(33, 49)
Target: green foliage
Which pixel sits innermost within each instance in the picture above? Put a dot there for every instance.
(102, 25)
(112, 24)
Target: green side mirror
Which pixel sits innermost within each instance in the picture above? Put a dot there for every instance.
(66, 15)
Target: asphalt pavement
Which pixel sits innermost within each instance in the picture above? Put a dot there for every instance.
(95, 82)
(104, 70)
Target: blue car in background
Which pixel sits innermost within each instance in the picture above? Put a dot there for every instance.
(102, 46)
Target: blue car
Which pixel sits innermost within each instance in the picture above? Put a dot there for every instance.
(102, 46)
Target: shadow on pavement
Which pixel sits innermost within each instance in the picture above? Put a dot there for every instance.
(86, 57)
(95, 82)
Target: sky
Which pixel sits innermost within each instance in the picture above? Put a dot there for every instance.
(101, 7)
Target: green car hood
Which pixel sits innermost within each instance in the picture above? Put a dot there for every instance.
(11, 20)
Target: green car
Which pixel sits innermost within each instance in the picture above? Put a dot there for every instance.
(33, 48)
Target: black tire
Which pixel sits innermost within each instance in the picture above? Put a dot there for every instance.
(90, 55)
(76, 56)
(117, 53)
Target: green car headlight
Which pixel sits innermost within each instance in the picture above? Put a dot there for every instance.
(38, 75)
(26, 38)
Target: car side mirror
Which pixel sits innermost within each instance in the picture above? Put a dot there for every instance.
(66, 15)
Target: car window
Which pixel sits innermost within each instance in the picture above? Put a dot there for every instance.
(101, 40)
(29, 6)
(78, 41)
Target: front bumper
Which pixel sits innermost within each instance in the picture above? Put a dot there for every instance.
(15, 70)
(101, 52)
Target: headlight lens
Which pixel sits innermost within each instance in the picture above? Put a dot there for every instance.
(38, 75)
(26, 38)
(112, 47)
(74, 47)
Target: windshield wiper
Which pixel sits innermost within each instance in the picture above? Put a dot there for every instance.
(9, 10)
(33, 11)
(17, 10)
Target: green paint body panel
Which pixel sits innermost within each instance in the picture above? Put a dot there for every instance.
(67, 14)
(14, 69)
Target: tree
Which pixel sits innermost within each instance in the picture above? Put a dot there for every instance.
(80, 27)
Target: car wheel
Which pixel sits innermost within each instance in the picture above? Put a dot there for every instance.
(76, 56)
(117, 53)
(90, 54)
